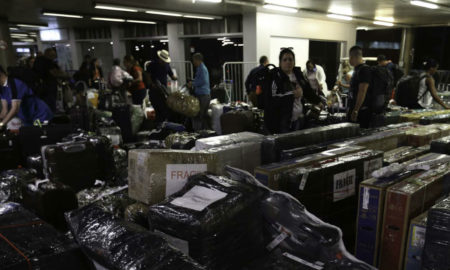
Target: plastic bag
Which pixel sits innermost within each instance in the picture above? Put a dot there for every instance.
(11, 184)
(184, 104)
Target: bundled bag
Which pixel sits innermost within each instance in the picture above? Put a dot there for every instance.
(183, 104)
(11, 183)
(128, 246)
(214, 219)
(137, 213)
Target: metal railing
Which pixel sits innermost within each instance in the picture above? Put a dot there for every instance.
(184, 71)
(234, 75)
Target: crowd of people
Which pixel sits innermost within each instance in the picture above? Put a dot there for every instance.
(29, 93)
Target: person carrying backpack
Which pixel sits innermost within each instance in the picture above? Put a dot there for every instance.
(251, 81)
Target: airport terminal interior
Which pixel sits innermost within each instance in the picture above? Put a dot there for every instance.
(225, 135)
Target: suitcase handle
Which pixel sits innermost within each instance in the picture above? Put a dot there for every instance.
(75, 148)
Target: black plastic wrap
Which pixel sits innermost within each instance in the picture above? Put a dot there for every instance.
(436, 252)
(137, 213)
(113, 200)
(119, 245)
(41, 246)
(36, 163)
(49, 201)
(290, 228)
(226, 234)
(428, 120)
(11, 183)
(302, 151)
(441, 146)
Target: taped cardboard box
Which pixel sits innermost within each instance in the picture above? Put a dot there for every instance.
(404, 201)
(416, 241)
(156, 174)
(424, 135)
(372, 194)
(404, 153)
(273, 145)
(218, 141)
(269, 174)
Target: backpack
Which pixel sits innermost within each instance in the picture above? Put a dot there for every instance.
(407, 93)
(397, 73)
(263, 80)
(380, 89)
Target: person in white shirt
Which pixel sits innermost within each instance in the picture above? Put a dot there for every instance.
(427, 88)
(317, 78)
(118, 75)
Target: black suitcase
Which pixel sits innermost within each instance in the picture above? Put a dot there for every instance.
(9, 151)
(122, 116)
(237, 121)
(79, 117)
(35, 163)
(32, 138)
(75, 164)
(114, 134)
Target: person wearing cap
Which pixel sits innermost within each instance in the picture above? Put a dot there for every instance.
(160, 69)
(19, 104)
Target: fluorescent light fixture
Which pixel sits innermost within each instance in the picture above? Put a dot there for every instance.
(27, 40)
(19, 35)
(62, 15)
(385, 19)
(280, 8)
(112, 43)
(107, 19)
(339, 17)
(115, 8)
(424, 4)
(14, 29)
(208, 1)
(164, 40)
(31, 25)
(222, 38)
(341, 10)
(163, 13)
(286, 3)
(383, 23)
(198, 17)
(50, 35)
(241, 45)
(362, 28)
(137, 21)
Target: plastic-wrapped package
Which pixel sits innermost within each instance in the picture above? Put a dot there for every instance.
(441, 145)
(49, 200)
(219, 141)
(113, 200)
(182, 140)
(114, 134)
(424, 135)
(137, 213)
(302, 151)
(214, 219)
(11, 183)
(119, 245)
(417, 115)
(155, 174)
(290, 228)
(121, 166)
(428, 120)
(436, 252)
(273, 145)
(404, 153)
(183, 104)
(36, 163)
(30, 243)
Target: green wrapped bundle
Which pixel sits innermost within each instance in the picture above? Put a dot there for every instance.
(184, 104)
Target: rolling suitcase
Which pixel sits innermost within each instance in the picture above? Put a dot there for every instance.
(237, 121)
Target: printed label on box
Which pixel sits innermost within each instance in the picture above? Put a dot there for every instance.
(372, 165)
(366, 198)
(198, 198)
(344, 185)
(177, 175)
(418, 236)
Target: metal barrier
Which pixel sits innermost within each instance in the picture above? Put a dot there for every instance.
(234, 75)
(184, 71)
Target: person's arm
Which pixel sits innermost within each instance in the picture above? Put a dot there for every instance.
(15, 107)
(199, 78)
(360, 97)
(433, 91)
(4, 109)
(171, 75)
(347, 78)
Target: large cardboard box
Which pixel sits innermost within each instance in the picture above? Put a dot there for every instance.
(404, 153)
(405, 201)
(269, 174)
(425, 134)
(372, 194)
(219, 141)
(155, 174)
(416, 241)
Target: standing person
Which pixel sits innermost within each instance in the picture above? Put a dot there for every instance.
(427, 87)
(19, 104)
(116, 78)
(160, 69)
(251, 81)
(137, 87)
(285, 91)
(343, 83)
(49, 72)
(317, 78)
(96, 71)
(202, 91)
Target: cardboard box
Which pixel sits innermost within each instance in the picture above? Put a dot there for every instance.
(425, 134)
(219, 141)
(155, 174)
(372, 194)
(404, 153)
(269, 174)
(404, 201)
(416, 241)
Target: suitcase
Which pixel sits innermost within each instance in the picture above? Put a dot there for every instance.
(237, 121)
(75, 164)
(122, 116)
(32, 138)
(114, 134)
(35, 163)
(49, 201)
(9, 151)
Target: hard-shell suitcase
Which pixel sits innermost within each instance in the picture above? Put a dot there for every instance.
(32, 138)
(237, 121)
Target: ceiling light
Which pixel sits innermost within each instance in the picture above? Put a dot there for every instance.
(112, 43)
(198, 17)
(280, 8)
(341, 11)
(98, 6)
(424, 4)
(383, 23)
(362, 28)
(208, 1)
(339, 17)
(14, 29)
(241, 45)
(61, 15)
(27, 40)
(18, 35)
(164, 40)
(31, 25)
(137, 21)
(163, 13)
(107, 19)
(385, 19)
(286, 3)
(153, 46)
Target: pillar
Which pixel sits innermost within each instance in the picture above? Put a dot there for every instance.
(177, 52)
(118, 46)
(407, 50)
(7, 56)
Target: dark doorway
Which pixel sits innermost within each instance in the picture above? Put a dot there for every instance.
(326, 54)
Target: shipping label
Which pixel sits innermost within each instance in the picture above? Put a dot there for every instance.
(177, 175)
(344, 185)
(198, 198)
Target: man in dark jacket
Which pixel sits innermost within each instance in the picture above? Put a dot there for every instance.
(251, 82)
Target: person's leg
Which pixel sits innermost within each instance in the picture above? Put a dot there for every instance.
(204, 106)
(197, 122)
